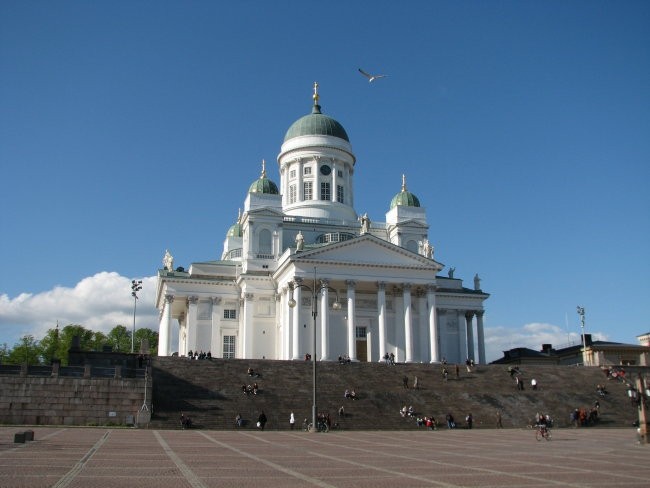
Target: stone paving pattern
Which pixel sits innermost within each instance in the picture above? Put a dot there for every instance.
(99, 457)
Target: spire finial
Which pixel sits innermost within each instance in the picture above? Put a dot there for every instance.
(315, 95)
(403, 182)
(263, 169)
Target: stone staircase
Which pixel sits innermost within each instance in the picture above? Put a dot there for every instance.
(210, 392)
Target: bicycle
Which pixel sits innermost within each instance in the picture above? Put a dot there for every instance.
(542, 432)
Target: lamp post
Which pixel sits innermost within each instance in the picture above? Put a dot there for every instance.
(136, 286)
(315, 291)
(581, 312)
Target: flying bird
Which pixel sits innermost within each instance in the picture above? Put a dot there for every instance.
(370, 77)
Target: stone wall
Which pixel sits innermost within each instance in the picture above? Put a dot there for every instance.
(56, 400)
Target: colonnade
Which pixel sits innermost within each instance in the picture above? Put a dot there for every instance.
(403, 318)
(291, 339)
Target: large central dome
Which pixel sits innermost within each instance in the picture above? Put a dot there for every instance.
(316, 124)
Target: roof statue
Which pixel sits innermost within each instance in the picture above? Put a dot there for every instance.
(427, 249)
(168, 261)
(450, 273)
(300, 241)
(477, 282)
(365, 223)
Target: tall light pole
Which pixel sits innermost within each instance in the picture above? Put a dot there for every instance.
(581, 312)
(136, 286)
(315, 291)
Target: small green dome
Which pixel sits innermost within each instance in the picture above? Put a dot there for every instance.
(263, 184)
(235, 231)
(404, 197)
(316, 124)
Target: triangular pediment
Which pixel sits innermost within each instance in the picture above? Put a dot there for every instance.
(366, 250)
(264, 212)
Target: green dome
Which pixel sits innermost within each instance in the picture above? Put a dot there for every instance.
(404, 197)
(235, 231)
(263, 184)
(316, 124)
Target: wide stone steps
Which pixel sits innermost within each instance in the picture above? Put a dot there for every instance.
(210, 392)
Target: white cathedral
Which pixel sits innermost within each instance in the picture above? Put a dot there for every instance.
(303, 274)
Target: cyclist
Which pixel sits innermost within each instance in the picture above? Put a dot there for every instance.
(542, 427)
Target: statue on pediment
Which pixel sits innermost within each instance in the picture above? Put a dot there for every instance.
(168, 261)
(300, 241)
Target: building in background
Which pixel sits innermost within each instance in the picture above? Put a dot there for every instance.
(597, 353)
(299, 248)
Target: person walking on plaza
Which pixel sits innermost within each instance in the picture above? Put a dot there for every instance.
(261, 420)
(499, 421)
(292, 420)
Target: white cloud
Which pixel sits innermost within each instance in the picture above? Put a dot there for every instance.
(98, 302)
(532, 336)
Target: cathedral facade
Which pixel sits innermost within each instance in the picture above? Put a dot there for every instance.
(303, 274)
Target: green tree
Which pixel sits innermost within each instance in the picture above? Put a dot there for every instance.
(51, 346)
(28, 351)
(148, 335)
(120, 338)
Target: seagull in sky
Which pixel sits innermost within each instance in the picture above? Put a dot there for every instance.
(370, 77)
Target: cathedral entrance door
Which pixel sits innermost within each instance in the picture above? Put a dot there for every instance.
(362, 350)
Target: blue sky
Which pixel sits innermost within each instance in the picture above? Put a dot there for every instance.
(523, 127)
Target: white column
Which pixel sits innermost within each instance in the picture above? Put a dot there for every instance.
(408, 324)
(286, 323)
(462, 335)
(481, 336)
(352, 344)
(335, 180)
(247, 326)
(469, 315)
(422, 327)
(164, 330)
(381, 305)
(297, 296)
(216, 348)
(190, 322)
(433, 323)
(324, 321)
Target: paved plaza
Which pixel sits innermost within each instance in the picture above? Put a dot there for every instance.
(100, 457)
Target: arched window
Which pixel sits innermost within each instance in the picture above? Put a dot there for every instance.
(265, 243)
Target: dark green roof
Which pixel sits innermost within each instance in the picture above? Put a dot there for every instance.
(316, 124)
(405, 198)
(235, 231)
(264, 185)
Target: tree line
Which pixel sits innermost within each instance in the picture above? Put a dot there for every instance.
(56, 344)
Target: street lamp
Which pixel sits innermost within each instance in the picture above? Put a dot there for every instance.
(581, 312)
(136, 286)
(315, 291)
